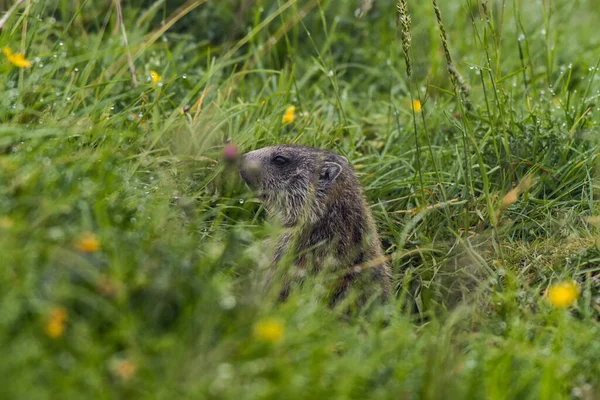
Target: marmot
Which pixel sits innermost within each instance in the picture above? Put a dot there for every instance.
(326, 219)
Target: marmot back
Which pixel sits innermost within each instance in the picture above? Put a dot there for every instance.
(317, 196)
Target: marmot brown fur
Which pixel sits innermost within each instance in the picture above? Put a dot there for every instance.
(326, 219)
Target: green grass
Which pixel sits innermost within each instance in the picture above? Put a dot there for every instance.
(175, 290)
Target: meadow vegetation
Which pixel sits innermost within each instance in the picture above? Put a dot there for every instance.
(130, 253)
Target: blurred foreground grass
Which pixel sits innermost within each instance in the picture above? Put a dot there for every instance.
(129, 254)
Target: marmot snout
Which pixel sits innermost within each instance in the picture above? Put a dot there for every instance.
(316, 193)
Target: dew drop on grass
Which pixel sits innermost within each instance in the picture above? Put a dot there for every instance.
(546, 351)
(184, 76)
(55, 233)
(521, 37)
(241, 201)
(227, 302)
(577, 392)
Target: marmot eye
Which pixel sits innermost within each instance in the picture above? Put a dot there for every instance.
(279, 160)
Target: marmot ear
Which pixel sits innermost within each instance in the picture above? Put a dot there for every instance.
(330, 171)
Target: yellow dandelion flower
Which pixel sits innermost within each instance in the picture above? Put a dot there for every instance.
(268, 330)
(88, 243)
(55, 326)
(155, 77)
(416, 105)
(563, 295)
(124, 369)
(17, 59)
(289, 115)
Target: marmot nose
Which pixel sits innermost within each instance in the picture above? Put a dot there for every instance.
(250, 171)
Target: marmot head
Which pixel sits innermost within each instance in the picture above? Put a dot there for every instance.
(293, 181)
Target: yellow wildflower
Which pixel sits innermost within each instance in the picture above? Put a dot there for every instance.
(563, 295)
(88, 243)
(155, 77)
(268, 330)
(17, 59)
(416, 104)
(55, 326)
(289, 115)
(6, 223)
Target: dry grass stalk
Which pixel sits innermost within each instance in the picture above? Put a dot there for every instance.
(126, 42)
(9, 13)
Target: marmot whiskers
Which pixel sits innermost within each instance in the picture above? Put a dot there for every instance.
(326, 220)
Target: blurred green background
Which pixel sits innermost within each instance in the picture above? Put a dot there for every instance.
(131, 256)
